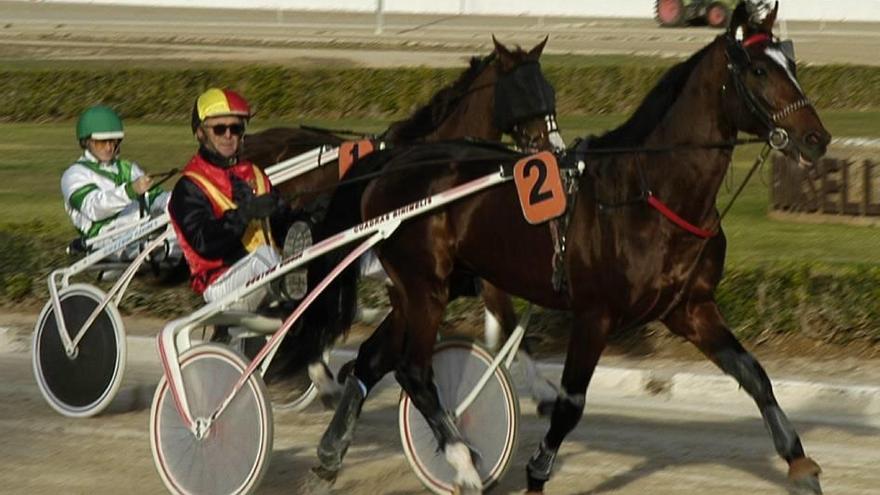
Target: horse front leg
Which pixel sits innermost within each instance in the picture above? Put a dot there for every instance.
(586, 343)
(702, 324)
(417, 380)
(376, 357)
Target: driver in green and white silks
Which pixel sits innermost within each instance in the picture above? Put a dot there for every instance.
(100, 189)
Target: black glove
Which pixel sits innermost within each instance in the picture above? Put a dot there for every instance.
(241, 191)
(261, 206)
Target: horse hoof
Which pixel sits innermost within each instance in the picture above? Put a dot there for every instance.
(545, 408)
(326, 475)
(467, 490)
(804, 474)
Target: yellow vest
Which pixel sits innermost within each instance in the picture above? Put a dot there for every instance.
(257, 233)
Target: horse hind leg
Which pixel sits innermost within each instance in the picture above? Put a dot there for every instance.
(703, 326)
(501, 317)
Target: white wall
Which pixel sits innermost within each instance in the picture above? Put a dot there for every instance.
(831, 10)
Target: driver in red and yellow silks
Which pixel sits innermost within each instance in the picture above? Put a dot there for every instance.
(228, 218)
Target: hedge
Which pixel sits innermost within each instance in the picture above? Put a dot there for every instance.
(291, 93)
(830, 303)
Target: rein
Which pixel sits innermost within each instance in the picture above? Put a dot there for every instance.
(403, 168)
(664, 149)
(713, 231)
(346, 132)
(164, 176)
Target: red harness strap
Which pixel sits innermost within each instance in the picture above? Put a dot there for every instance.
(755, 39)
(677, 220)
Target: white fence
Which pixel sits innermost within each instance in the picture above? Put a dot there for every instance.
(829, 10)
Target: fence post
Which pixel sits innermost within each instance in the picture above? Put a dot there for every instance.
(380, 16)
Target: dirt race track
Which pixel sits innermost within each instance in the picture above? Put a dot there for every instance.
(630, 447)
(623, 447)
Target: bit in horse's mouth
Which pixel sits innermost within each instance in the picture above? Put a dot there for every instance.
(804, 162)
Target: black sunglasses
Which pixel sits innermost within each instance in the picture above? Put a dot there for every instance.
(220, 129)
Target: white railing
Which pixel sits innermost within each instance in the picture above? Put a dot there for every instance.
(827, 10)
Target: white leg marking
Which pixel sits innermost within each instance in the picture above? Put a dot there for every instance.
(325, 383)
(492, 330)
(466, 476)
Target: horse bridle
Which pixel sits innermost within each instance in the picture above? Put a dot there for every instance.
(738, 60)
(512, 108)
(511, 126)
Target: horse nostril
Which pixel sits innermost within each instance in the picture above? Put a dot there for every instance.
(813, 139)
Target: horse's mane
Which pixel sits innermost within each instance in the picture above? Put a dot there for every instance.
(426, 119)
(653, 108)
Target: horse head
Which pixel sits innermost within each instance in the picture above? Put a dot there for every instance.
(768, 100)
(502, 93)
(524, 101)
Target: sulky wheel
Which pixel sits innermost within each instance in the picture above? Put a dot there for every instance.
(83, 383)
(233, 453)
(669, 13)
(489, 425)
(292, 392)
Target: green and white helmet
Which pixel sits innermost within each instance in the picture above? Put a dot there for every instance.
(99, 122)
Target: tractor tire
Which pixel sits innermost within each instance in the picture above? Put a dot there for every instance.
(669, 13)
(718, 15)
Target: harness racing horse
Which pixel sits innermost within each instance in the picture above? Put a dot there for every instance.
(505, 92)
(626, 265)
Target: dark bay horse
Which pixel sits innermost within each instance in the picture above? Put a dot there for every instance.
(502, 93)
(625, 265)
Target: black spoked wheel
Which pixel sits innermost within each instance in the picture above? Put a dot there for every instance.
(490, 424)
(85, 382)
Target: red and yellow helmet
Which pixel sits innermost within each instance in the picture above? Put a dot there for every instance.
(217, 102)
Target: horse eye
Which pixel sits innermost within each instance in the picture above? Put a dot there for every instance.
(759, 71)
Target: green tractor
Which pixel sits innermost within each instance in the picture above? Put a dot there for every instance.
(674, 13)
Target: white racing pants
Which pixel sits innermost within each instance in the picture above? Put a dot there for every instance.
(255, 263)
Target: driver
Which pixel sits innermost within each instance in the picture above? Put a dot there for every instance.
(100, 189)
(228, 218)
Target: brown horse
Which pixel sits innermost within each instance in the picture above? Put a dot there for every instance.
(503, 93)
(625, 265)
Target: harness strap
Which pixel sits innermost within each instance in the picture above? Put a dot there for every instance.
(677, 220)
(559, 228)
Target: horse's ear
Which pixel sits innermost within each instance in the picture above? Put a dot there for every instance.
(535, 53)
(767, 23)
(739, 19)
(500, 49)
